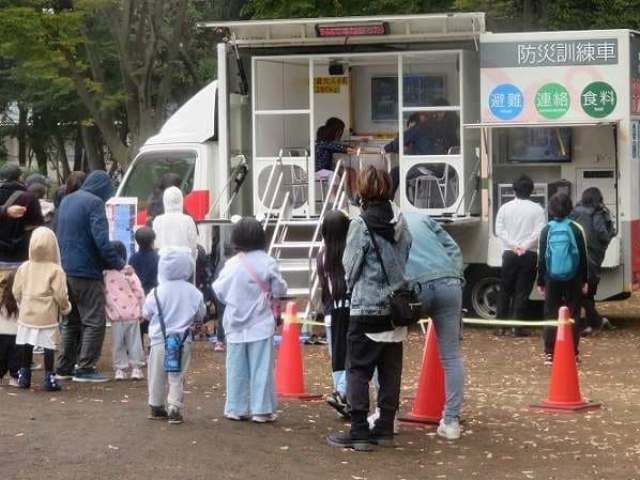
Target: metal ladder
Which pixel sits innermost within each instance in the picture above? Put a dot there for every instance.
(298, 256)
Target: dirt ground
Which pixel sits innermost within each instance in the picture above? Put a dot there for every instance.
(102, 431)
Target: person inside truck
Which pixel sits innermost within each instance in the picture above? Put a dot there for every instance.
(155, 204)
(328, 143)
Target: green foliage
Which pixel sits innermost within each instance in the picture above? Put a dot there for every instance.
(337, 8)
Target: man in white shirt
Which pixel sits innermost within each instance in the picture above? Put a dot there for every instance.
(518, 225)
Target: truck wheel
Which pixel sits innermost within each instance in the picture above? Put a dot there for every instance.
(481, 292)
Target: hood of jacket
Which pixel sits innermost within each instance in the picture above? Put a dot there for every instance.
(175, 265)
(98, 183)
(385, 219)
(173, 200)
(7, 188)
(583, 210)
(43, 246)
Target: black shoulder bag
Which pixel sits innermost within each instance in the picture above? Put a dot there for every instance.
(404, 304)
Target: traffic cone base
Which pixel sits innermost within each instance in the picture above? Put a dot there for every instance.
(569, 408)
(426, 419)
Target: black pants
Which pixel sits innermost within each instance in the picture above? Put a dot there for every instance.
(339, 329)
(26, 357)
(518, 277)
(592, 317)
(9, 361)
(556, 295)
(83, 327)
(364, 356)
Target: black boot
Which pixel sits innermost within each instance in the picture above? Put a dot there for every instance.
(357, 438)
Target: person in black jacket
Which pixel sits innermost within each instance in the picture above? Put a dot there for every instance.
(595, 220)
(15, 232)
(85, 249)
(561, 293)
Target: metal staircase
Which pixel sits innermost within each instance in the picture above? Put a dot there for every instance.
(295, 241)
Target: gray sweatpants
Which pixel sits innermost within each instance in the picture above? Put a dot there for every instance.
(126, 345)
(159, 380)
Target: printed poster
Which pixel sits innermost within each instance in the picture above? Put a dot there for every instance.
(121, 216)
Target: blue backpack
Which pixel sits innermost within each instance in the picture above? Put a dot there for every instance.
(562, 255)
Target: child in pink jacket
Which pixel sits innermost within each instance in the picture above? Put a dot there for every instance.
(125, 298)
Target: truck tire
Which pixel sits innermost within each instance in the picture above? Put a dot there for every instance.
(481, 291)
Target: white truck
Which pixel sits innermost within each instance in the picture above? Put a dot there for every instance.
(500, 105)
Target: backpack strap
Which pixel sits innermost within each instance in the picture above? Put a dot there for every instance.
(254, 275)
(13, 198)
(160, 314)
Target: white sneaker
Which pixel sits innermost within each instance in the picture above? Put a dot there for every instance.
(120, 374)
(236, 418)
(268, 418)
(450, 431)
(137, 374)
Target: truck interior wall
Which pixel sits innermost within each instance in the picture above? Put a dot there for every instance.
(592, 148)
(362, 76)
(335, 104)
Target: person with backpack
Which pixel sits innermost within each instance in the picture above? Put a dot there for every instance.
(374, 260)
(518, 225)
(595, 220)
(172, 308)
(563, 271)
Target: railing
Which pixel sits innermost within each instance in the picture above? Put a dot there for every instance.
(284, 214)
(373, 151)
(340, 197)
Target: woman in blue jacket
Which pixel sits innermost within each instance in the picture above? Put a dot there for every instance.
(435, 267)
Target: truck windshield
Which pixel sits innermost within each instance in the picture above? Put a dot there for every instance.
(149, 168)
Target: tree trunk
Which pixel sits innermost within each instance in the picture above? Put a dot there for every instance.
(95, 161)
(22, 135)
(62, 154)
(78, 151)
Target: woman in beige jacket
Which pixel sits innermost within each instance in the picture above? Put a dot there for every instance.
(40, 288)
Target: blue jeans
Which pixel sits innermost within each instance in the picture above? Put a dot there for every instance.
(250, 383)
(442, 301)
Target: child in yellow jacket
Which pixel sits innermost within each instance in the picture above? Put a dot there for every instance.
(40, 288)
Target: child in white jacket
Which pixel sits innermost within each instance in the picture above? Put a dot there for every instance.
(247, 285)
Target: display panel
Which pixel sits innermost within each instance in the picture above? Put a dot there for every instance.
(539, 145)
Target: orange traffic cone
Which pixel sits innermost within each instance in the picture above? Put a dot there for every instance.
(289, 368)
(564, 390)
(429, 401)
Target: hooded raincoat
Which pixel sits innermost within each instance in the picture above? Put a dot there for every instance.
(40, 285)
(83, 231)
(175, 230)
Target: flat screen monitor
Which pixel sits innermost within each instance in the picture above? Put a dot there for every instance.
(539, 145)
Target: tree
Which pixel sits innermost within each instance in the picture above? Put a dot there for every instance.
(336, 8)
(127, 61)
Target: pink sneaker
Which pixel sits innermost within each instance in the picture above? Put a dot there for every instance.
(219, 347)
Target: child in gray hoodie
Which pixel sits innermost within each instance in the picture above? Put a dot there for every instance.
(178, 303)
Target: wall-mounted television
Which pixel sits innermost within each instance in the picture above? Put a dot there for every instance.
(539, 145)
